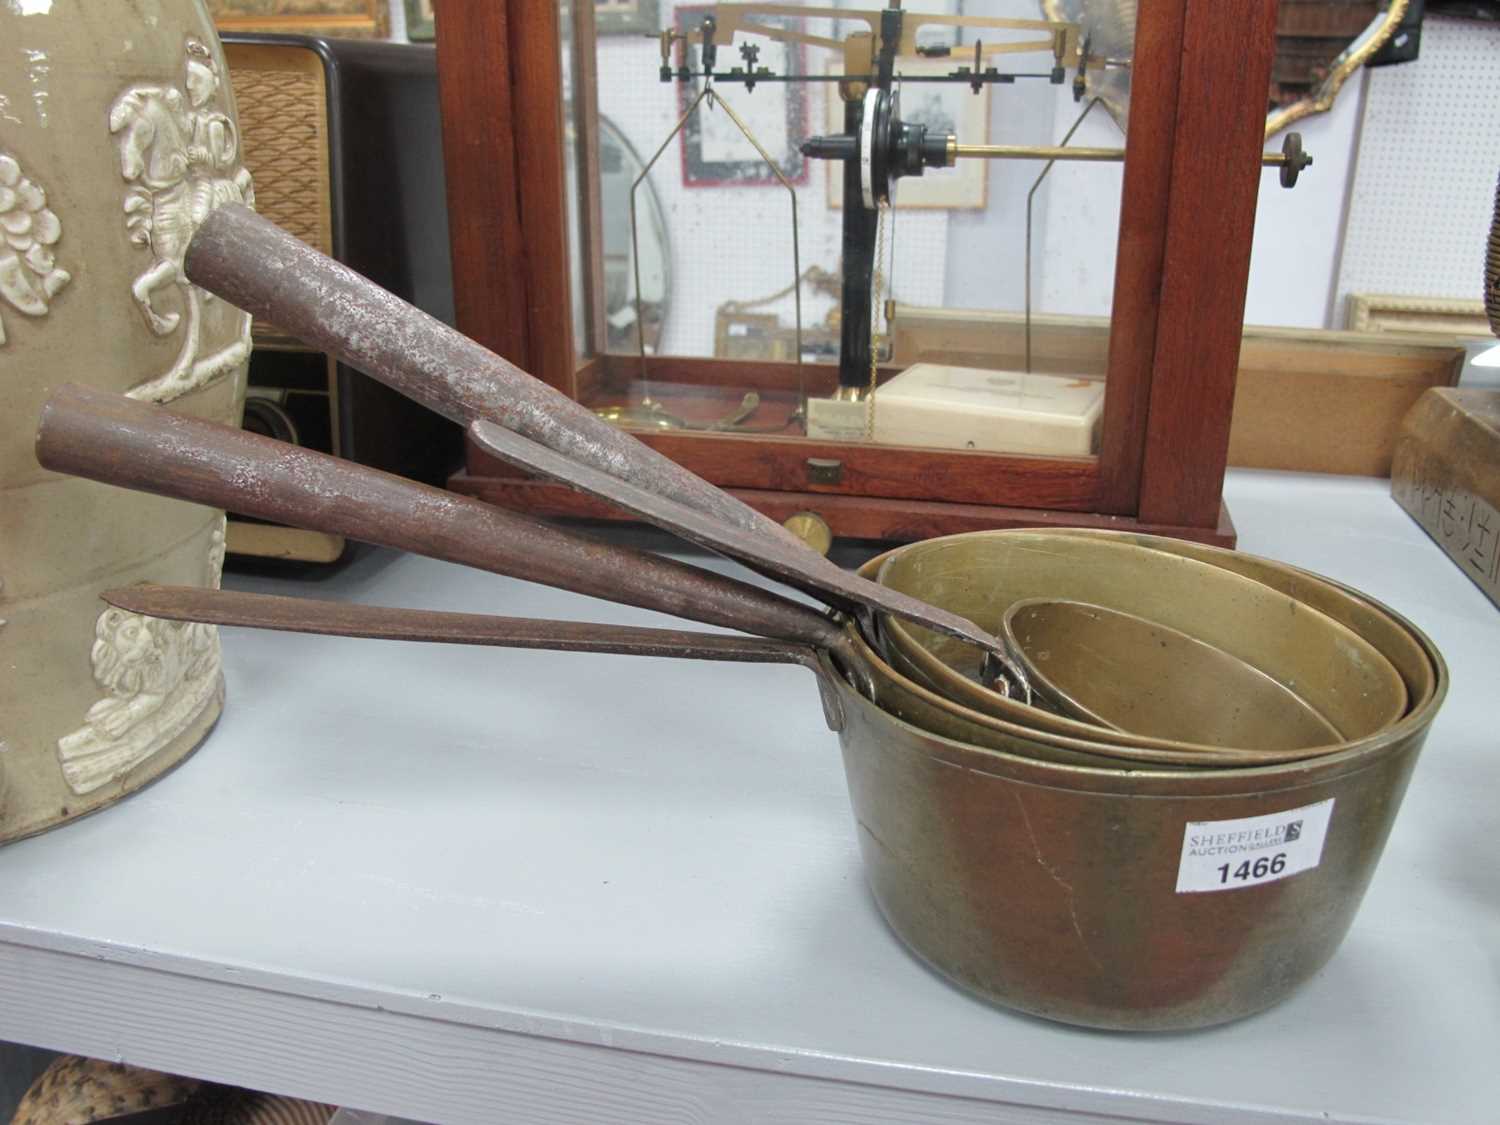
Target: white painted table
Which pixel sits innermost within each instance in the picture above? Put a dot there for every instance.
(470, 885)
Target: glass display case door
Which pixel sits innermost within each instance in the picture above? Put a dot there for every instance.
(623, 228)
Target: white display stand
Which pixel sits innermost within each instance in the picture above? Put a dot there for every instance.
(468, 885)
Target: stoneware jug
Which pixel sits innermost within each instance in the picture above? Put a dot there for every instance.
(117, 136)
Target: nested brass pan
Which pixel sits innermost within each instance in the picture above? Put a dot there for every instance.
(1057, 889)
(1344, 604)
(900, 690)
(917, 704)
(982, 574)
(1117, 670)
(1054, 888)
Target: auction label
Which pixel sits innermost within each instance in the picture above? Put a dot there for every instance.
(1224, 855)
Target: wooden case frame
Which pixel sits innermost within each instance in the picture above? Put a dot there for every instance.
(1191, 178)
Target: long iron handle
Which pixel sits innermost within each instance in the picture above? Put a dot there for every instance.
(354, 619)
(251, 262)
(834, 586)
(111, 438)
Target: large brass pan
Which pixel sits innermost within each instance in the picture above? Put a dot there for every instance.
(1052, 888)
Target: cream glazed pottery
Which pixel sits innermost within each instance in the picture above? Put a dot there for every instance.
(117, 136)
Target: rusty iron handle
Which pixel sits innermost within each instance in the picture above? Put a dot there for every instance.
(111, 438)
(254, 264)
(387, 623)
(251, 262)
(832, 585)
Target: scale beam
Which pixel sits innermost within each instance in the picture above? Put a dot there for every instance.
(1291, 159)
(1055, 152)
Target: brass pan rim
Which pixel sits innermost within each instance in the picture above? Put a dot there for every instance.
(1139, 774)
(1385, 689)
(1177, 784)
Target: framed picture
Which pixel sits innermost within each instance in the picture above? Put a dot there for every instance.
(419, 23)
(944, 107)
(625, 17)
(714, 151)
(351, 19)
(1448, 317)
(762, 336)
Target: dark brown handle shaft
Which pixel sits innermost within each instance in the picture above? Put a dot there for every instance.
(120, 441)
(251, 262)
(389, 623)
(352, 619)
(834, 586)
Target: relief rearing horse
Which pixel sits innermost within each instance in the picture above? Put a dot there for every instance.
(180, 155)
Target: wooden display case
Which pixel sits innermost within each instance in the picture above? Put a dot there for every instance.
(1191, 177)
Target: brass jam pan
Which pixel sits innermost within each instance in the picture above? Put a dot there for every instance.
(1047, 887)
(881, 676)
(1381, 627)
(1117, 670)
(906, 698)
(982, 574)
(1052, 888)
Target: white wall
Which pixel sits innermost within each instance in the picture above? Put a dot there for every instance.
(985, 249)
(1298, 231)
(1398, 200)
(398, 20)
(1075, 253)
(734, 242)
(1424, 188)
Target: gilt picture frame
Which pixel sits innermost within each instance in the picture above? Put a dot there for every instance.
(1110, 24)
(348, 19)
(715, 153)
(420, 25)
(625, 17)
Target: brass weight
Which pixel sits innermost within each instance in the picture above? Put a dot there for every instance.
(812, 529)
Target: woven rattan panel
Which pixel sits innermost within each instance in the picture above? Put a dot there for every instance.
(283, 114)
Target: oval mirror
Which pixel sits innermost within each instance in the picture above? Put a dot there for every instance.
(1319, 44)
(619, 165)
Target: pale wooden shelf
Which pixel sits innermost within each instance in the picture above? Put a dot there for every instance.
(479, 886)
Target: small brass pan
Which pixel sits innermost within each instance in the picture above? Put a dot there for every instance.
(904, 694)
(1344, 604)
(1117, 670)
(981, 575)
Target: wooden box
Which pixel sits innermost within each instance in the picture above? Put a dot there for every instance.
(1447, 475)
(1306, 399)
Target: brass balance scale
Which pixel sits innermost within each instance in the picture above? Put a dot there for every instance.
(878, 150)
